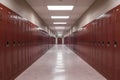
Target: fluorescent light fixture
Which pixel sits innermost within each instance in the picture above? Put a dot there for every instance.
(59, 27)
(59, 32)
(70, 7)
(59, 17)
(59, 22)
(59, 35)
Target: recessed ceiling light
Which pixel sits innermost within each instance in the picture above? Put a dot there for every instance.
(59, 22)
(70, 7)
(59, 35)
(59, 32)
(60, 27)
(59, 17)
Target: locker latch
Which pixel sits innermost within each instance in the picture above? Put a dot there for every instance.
(108, 44)
(115, 44)
(7, 44)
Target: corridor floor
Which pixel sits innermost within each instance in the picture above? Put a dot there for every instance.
(60, 63)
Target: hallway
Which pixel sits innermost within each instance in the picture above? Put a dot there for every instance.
(60, 63)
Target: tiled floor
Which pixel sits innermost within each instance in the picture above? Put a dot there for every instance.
(60, 63)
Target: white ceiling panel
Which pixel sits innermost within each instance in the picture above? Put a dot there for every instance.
(80, 6)
(60, 2)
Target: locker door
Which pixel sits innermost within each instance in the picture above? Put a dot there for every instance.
(88, 43)
(19, 46)
(23, 31)
(104, 46)
(8, 45)
(109, 50)
(26, 41)
(2, 41)
(96, 43)
(13, 43)
(28, 45)
(117, 44)
(100, 48)
(99, 44)
(23, 45)
(93, 43)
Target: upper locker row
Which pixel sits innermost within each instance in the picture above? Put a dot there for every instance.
(21, 43)
(99, 43)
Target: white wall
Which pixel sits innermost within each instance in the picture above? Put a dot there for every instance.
(56, 40)
(98, 8)
(62, 40)
(22, 8)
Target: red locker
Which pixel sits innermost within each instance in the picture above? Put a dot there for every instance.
(24, 44)
(13, 42)
(93, 43)
(18, 44)
(99, 47)
(117, 43)
(8, 45)
(104, 45)
(59, 40)
(110, 41)
(2, 42)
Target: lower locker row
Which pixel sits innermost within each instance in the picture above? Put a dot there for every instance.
(98, 43)
(21, 43)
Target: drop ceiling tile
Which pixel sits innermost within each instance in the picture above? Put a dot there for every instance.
(60, 2)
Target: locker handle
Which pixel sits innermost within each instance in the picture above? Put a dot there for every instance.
(103, 43)
(7, 44)
(115, 44)
(108, 44)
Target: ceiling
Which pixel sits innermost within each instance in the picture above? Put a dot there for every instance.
(40, 6)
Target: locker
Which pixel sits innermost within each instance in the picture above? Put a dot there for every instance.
(117, 43)
(8, 43)
(104, 46)
(2, 41)
(26, 45)
(98, 50)
(93, 41)
(23, 47)
(18, 36)
(19, 46)
(110, 41)
(13, 42)
(29, 52)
